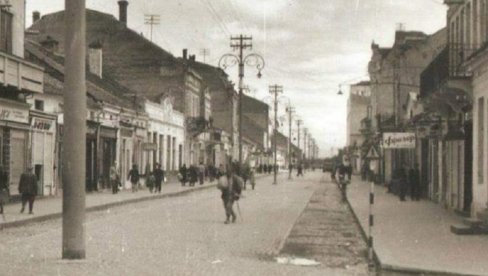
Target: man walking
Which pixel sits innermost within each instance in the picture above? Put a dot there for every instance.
(114, 178)
(299, 170)
(230, 194)
(201, 173)
(413, 180)
(159, 177)
(134, 177)
(28, 189)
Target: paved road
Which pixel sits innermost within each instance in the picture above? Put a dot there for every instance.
(172, 236)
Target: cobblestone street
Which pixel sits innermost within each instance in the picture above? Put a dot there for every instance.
(186, 236)
(327, 232)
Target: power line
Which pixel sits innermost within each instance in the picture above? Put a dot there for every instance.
(152, 19)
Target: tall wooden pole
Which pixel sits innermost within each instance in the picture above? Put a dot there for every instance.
(74, 152)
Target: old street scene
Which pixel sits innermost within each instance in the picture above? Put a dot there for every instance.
(244, 137)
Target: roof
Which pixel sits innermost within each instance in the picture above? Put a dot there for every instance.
(128, 57)
(252, 131)
(98, 90)
(363, 83)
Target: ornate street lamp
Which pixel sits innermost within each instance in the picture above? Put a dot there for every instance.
(228, 60)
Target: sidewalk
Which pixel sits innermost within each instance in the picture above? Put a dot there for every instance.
(51, 207)
(415, 235)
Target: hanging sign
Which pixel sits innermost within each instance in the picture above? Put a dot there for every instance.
(398, 140)
(42, 124)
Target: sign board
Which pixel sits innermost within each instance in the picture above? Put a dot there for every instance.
(149, 146)
(398, 140)
(9, 113)
(42, 124)
(372, 154)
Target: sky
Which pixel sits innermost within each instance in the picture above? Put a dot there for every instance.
(310, 47)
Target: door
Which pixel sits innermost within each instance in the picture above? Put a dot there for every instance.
(17, 159)
(39, 172)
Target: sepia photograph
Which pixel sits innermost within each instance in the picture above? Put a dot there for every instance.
(243, 137)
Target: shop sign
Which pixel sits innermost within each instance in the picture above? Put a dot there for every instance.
(149, 146)
(8, 113)
(42, 124)
(398, 140)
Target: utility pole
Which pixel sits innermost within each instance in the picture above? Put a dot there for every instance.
(241, 43)
(305, 132)
(290, 111)
(74, 154)
(151, 20)
(204, 52)
(299, 122)
(275, 90)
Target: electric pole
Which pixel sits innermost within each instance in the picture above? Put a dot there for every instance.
(204, 52)
(290, 111)
(275, 90)
(151, 20)
(299, 122)
(74, 154)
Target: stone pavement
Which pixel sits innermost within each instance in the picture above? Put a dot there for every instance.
(51, 207)
(415, 236)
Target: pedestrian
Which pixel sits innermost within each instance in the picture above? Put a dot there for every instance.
(252, 178)
(114, 178)
(299, 170)
(201, 173)
(211, 172)
(348, 168)
(402, 182)
(414, 182)
(28, 189)
(290, 168)
(134, 177)
(245, 174)
(230, 193)
(159, 176)
(183, 175)
(193, 175)
(151, 182)
(4, 189)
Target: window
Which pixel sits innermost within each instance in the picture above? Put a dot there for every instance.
(6, 31)
(39, 105)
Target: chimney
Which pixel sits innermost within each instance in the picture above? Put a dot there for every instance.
(123, 11)
(185, 53)
(192, 58)
(35, 16)
(95, 58)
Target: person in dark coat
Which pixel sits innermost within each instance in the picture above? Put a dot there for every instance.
(158, 177)
(193, 175)
(201, 173)
(183, 175)
(134, 177)
(230, 194)
(414, 182)
(299, 170)
(402, 183)
(28, 189)
(4, 189)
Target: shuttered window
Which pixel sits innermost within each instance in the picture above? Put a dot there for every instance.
(6, 31)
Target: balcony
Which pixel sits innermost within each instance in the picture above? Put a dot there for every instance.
(459, 53)
(21, 74)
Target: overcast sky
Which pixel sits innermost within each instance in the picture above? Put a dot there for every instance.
(310, 46)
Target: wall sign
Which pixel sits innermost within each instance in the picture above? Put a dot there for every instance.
(42, 124)
(9, 113)
(398, 140)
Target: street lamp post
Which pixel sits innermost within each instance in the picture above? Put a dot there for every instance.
(275, 89)
(290, 111)
(241, 43)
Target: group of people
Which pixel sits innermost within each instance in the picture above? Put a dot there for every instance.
(154, 179)
(196, 173)
(406, 179)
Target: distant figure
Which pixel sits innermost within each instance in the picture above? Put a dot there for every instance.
(28, 189)
(151, 182)
(158, 178)
(183, 175)
(299, 170)
(414, 182)
(348, 168)
(402, 182)
(114, 178)
(134, 177)
(290, 168)
(201, 173)
(4, 189)
(193, 175)
(245, 174)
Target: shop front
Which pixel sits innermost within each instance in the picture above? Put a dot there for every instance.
(14, 137)
(43, 134)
